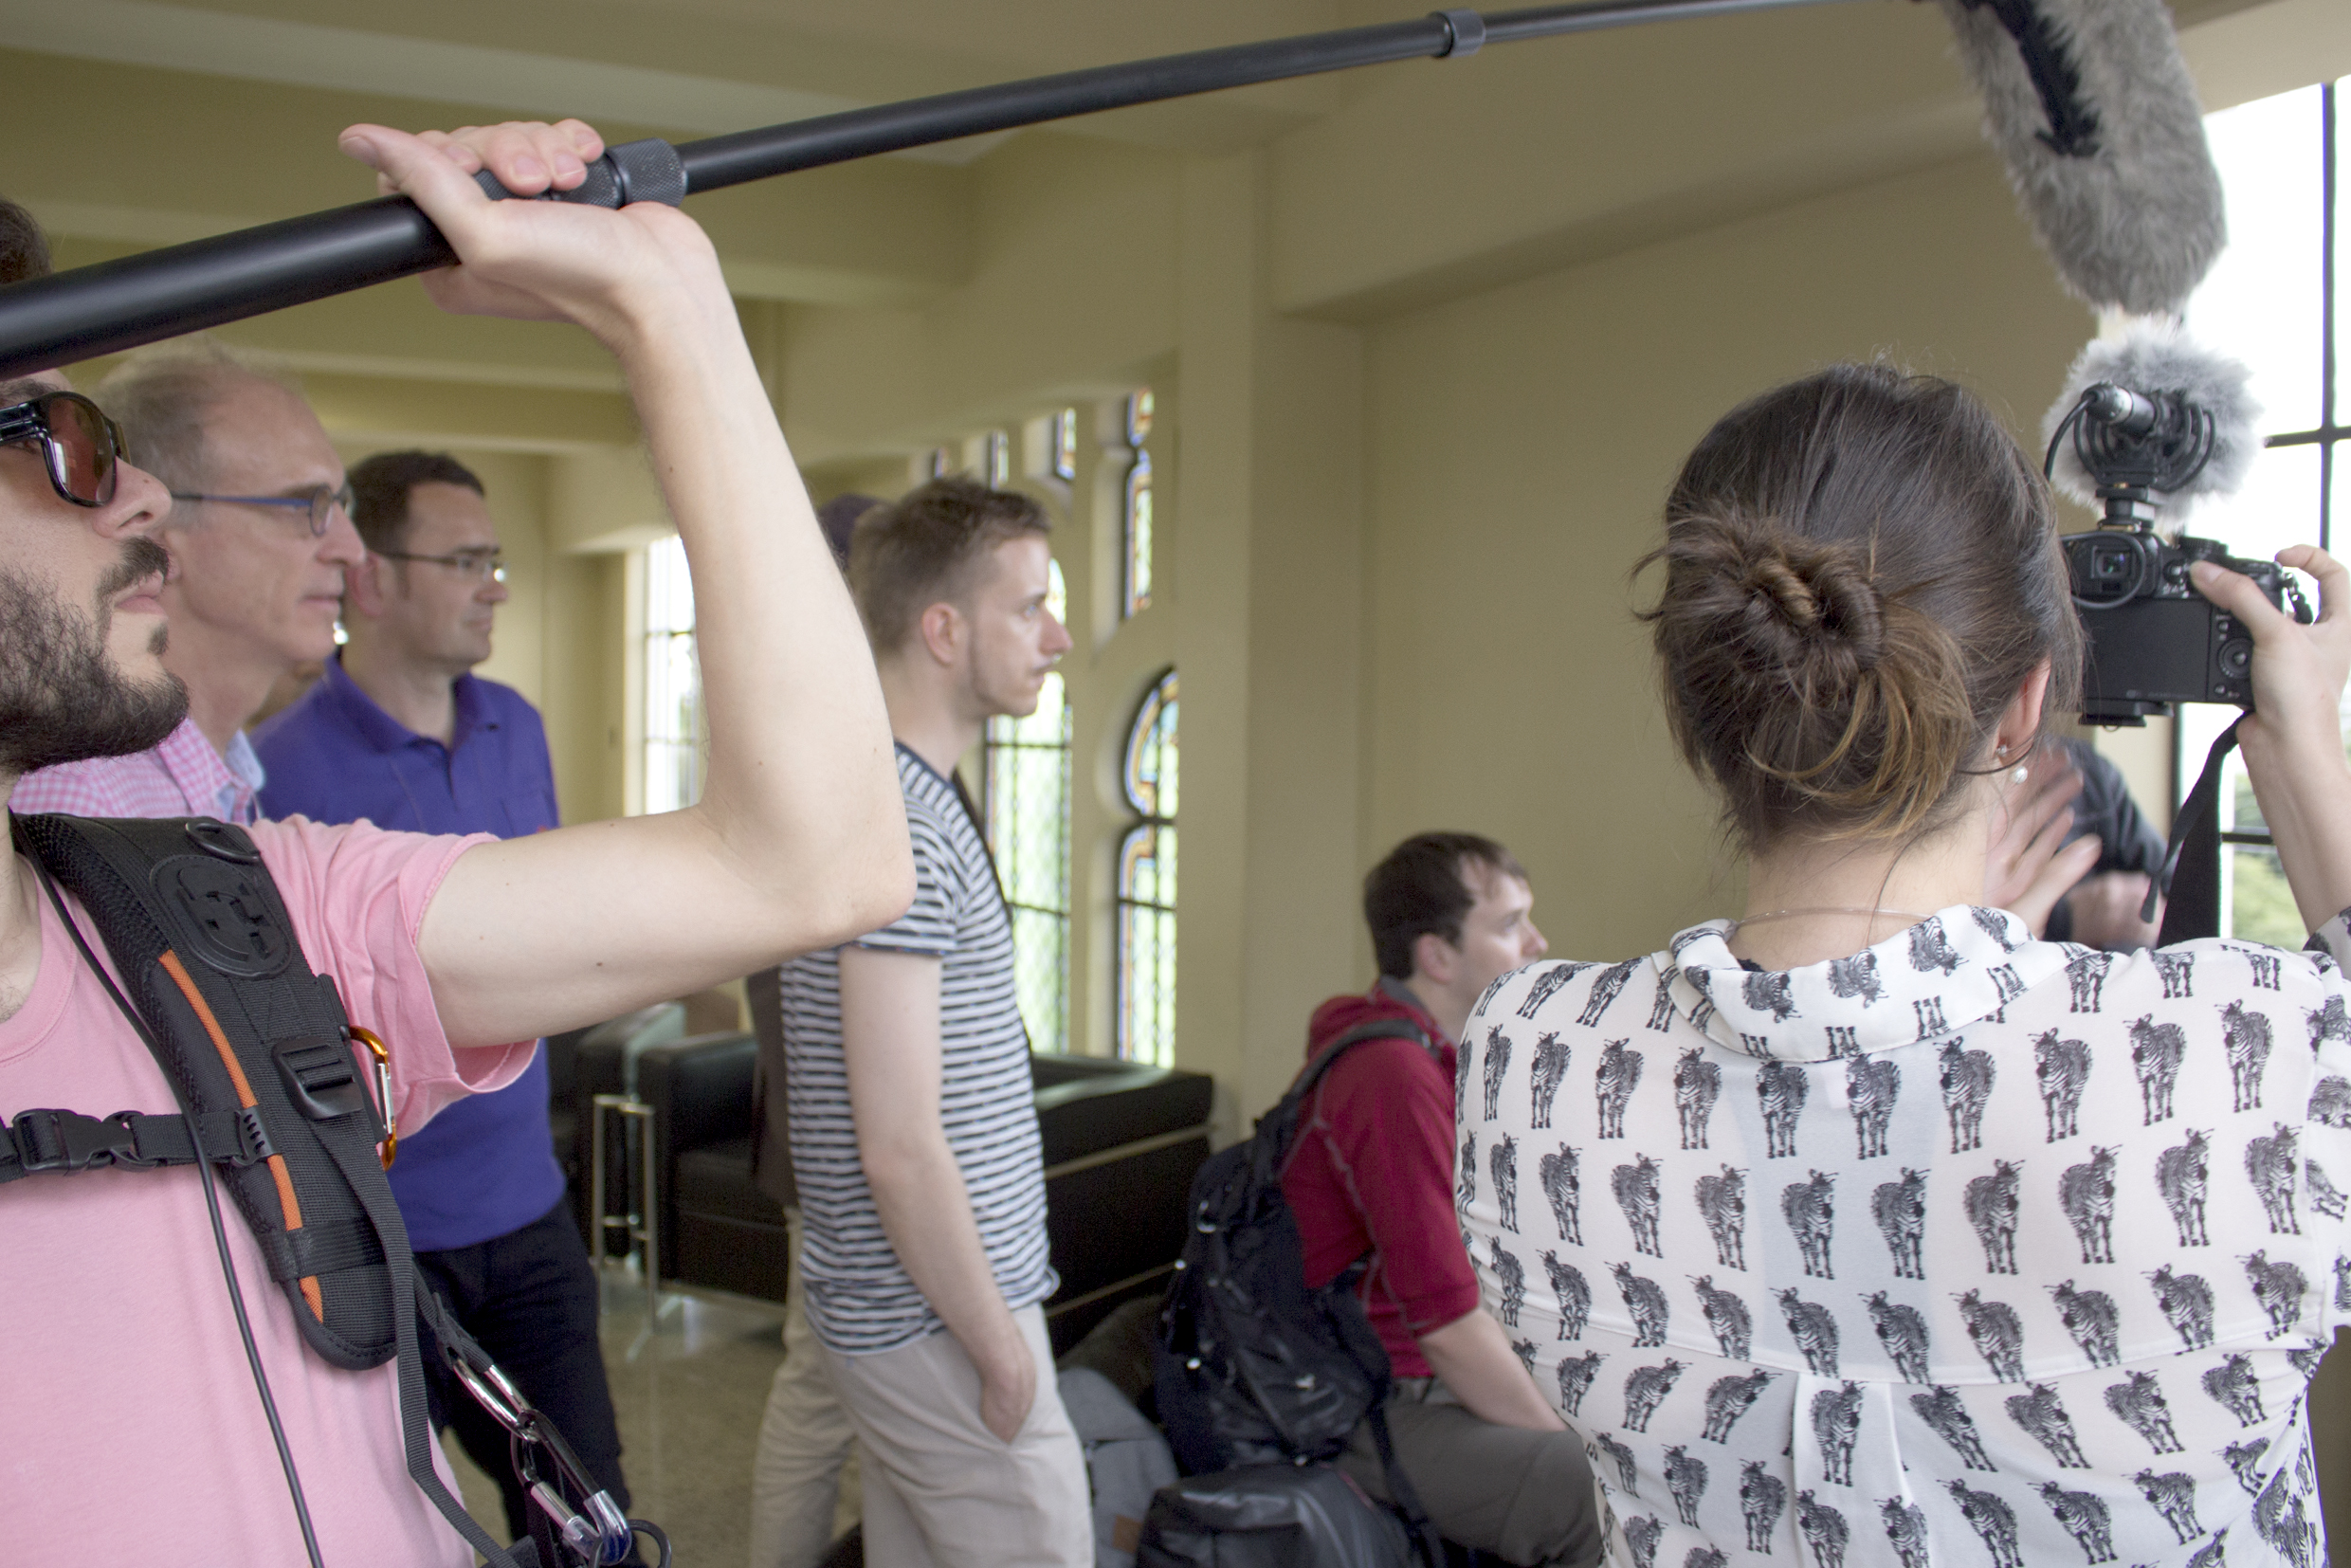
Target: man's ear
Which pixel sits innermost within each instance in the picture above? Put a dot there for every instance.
(943, 631)
(1435, 957)
(364, 587)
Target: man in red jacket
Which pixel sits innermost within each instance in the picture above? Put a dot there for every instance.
(1372, 1173)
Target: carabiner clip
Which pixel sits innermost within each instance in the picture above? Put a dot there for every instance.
(596, 1530)
(379, 1059)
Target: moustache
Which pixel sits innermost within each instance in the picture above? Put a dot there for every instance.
(141, 558)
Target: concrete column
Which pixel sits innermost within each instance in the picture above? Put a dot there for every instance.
(1269, 570)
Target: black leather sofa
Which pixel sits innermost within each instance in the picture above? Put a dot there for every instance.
(582, 1064)
(1120, 1145)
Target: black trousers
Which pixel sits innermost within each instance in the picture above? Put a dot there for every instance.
(530, 1298)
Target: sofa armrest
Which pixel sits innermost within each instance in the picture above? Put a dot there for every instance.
(699, 1092)
(1085, 1105)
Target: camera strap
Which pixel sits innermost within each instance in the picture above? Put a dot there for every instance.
(2197, 821)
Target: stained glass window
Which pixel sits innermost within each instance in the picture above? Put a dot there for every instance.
(2273, 299)
(1065, 443)
(1137, 506)
(673, 684)
(1024, 783)
(1146, 957)
(998, 459)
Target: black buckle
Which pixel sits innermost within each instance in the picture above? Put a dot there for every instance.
(68, 1141)
(320, 1076)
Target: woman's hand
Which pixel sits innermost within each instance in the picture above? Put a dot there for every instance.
(2298, 670)
(2292, 742)
(611, 272)
(2030, 866)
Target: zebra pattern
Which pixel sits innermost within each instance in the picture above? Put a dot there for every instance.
(1899, 1209)
(2157, 1052)
(1967, 1079)
(1697, 1084)
(1728, 1398)
(2089, 1437)
(1762, 1498)
(1501, 1163)
(1905, 1532)
(1646, 1389)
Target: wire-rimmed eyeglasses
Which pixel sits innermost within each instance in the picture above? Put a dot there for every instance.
(483, 566)
(320, 502)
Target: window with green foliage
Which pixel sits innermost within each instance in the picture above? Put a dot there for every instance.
(2274, 301)
(1024, 783)
(1146, 955)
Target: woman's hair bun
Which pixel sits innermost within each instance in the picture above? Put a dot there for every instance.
(1824, 598)
(1861, 572)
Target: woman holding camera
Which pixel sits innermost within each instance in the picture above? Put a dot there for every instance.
(1866, 1220)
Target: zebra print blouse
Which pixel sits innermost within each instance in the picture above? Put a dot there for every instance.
(1849, 1262)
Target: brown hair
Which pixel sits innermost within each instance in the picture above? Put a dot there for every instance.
(24, 249)
(1862, 569)
(162, 396)
(1422, 889)
(381, 486)
(926, 547)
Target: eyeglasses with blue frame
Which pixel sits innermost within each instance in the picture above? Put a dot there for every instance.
(319, 503)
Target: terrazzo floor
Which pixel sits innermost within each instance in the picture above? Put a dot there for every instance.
(688, 1387)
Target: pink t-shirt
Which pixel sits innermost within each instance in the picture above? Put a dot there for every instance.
(138, 1434)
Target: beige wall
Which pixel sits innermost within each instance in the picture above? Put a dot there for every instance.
(1520, 445)
(1428, 340)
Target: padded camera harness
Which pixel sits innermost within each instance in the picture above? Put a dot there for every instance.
(258, 1054)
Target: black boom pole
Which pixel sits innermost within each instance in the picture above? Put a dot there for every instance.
(121, 304)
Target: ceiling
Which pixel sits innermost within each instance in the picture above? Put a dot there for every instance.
(133, 123)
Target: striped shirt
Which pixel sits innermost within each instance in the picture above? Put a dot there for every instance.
(860, 1298)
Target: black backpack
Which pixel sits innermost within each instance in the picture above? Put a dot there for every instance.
(1253, 1367)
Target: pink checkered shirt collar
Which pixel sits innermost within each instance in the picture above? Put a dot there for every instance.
(180, 777)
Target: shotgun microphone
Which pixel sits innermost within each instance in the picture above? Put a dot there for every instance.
(2138, 385)
(2090, 106)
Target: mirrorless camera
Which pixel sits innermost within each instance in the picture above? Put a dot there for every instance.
(2152, 639)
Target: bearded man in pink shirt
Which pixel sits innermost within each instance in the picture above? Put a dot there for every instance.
(459, 952)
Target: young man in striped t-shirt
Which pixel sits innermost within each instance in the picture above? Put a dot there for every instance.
(914, 1132)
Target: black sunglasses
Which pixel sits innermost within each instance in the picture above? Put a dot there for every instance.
(80, 445)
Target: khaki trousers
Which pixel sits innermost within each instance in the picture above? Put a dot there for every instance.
(1525, 1497)
(796, 1483)
(942, 1491)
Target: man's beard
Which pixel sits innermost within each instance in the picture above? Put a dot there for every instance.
(62, 698)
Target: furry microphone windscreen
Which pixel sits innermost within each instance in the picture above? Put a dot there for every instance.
(2091, 108)
(2155, 357)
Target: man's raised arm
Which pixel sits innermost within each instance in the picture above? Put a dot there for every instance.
(799, 839)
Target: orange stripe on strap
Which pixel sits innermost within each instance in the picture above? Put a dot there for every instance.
(290, 1204)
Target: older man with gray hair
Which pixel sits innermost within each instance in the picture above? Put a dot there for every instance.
(260, 537)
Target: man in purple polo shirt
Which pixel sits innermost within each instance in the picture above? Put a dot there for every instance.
(400, 733)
